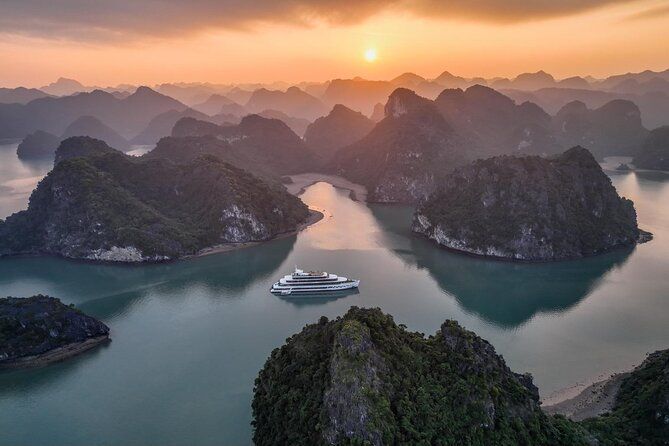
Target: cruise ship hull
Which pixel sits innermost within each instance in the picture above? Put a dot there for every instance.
(315, 289)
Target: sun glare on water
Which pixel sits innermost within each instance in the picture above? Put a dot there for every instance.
(370, 54)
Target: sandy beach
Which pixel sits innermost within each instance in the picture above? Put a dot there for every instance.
(592, 401)
(304, 180)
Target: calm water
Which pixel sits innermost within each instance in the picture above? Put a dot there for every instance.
(190, 337)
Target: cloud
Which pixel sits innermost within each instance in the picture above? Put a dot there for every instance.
(125, 19)
(652, 13)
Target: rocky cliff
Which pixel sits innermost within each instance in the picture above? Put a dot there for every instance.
(529, 208)
(111, 207)
(269, 143)
(341, 127)
(362, 379)
(406, 155)
(654, 153)
(612, 129)
(40, 329)
(495, 124)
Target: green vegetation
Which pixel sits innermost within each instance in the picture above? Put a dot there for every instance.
(529, 208)
(641, 413)
(363, 380)
(152, 209)
(35, 325)
(402, 388)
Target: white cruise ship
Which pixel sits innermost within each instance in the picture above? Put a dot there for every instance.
(312, 282)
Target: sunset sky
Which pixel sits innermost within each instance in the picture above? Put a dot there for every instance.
(225, 41)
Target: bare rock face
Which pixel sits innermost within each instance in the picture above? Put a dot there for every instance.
(404, 156)
(354, 385)
(529, 208)
(99, 204)
(362, 379)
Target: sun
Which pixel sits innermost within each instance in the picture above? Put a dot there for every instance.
(370, 54)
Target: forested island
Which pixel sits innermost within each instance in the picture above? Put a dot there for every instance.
(363, 379)
(41, 329)
(530, 208)
(100, 204)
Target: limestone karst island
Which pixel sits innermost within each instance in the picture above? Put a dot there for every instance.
(313, 223)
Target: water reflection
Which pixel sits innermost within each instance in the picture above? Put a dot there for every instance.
(18, 178)
(506, 294)
(509, 294)
(227, 274)
(303, 300)
(17, 382)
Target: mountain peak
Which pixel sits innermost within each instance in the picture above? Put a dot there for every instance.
(340, 109)
(578, 155)
(403, 101)
(143, 90)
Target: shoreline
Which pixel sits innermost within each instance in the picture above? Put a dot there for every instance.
(582, 401)
(314, 217)
(534, 262)
(55, 355)
(302, 181)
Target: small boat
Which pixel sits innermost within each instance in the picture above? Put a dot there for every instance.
(312, 282)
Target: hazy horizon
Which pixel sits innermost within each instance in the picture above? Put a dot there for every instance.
(226, 42)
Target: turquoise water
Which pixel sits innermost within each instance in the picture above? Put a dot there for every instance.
(189, 337)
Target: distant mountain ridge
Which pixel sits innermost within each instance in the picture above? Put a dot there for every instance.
(270, 142)
(293, 102)
(341, 127)
(419, 141)
(127, 116)
(20, 95)
(94, 128)
(404, 156)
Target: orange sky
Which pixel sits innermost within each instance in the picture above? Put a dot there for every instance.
(618, 37)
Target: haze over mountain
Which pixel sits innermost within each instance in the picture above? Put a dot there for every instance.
(297, 125)
(612, 129)
(270, 143)
(161, 125)
(127, 116)
(20, 95)
(38, 145)
(214, 104)
(293, 102)
(341, 127)
(654, 152)
(406, 154)
(94, 128)
(64, 87)
(495, 123)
